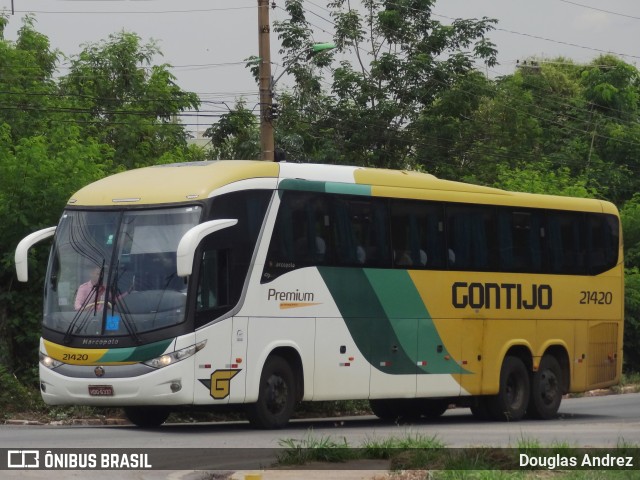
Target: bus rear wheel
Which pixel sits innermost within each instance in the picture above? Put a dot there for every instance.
(546, 389)
(147, 417)
(276, 397)
(510, 404)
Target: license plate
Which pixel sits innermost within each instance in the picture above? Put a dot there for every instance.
(101, 390)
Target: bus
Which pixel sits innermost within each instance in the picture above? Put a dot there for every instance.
(260, 285)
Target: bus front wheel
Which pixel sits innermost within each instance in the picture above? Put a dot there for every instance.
(546, 389)
(510, 404)
(276, 396)
(147, 417)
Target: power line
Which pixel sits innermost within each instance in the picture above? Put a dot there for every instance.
(134, 12)
(600, 9)
(560, 42)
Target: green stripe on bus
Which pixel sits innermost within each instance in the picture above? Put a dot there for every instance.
(136, 354)
(348, 189)
(388, 321)
(325, 187)
(301, 185)
(401, 300)
(366, 319)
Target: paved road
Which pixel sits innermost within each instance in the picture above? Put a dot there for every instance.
(590, 421)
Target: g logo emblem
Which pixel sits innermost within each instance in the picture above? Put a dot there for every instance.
(99, 371)
(221, 383)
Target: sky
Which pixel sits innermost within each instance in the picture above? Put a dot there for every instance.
(207, 41)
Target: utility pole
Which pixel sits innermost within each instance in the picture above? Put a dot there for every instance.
(266, 100)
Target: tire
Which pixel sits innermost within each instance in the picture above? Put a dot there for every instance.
(384, 409)
(276, 396)
(479, 408)
(147, 417)
(546, 389)
(512, 400)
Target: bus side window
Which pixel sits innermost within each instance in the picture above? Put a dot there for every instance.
(302, 235)
(213, 287)
(471, 237)
(602, 242)
(417, 230)
(566, 242)
(227, 254)
(519, 234)
(362, 233)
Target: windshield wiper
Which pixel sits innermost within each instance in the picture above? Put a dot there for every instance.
(118, 295)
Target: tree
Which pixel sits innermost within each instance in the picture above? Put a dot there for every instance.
(125, 101)
(27, 84)
(403, 60)
(236, 135)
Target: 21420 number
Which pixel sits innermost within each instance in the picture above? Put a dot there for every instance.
(588, 297)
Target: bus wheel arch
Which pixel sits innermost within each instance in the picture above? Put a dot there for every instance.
(512, 399)
(293, 358)
(279, 389)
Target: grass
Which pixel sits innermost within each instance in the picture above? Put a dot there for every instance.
(311, 449)
(417, 457)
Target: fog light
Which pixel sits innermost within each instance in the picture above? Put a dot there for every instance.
(176, 387)
(43, 387)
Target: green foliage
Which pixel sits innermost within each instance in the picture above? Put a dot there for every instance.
(542, 178)
(405, 59)
(113, 110)
(312, 449)
(127, 102)
(632, 321)
(14, 395)
(235, 136)
(630, 216)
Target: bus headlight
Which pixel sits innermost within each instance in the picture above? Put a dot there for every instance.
(48, 362)
(174, 357)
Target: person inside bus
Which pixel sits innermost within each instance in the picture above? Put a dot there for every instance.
(86, 293)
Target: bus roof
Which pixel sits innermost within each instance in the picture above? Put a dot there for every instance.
(183, 182)
(172, 183)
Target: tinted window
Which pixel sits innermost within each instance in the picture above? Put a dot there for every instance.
(226, 254)
(602, 242)
(471, 237)
(520, 240)
(566, 247)
(362, 231)
(315, 228)
(417, 230)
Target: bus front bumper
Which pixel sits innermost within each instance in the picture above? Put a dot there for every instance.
(110, 386)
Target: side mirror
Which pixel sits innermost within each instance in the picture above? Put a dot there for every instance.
(190, 241)
(22, 251)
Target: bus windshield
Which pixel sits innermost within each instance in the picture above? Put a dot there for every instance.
(113, 273)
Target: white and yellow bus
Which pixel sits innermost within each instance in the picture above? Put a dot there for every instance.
(265, 284)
